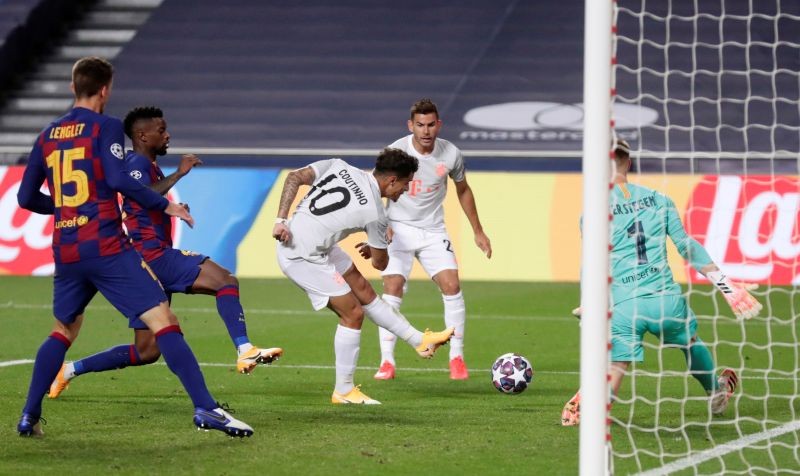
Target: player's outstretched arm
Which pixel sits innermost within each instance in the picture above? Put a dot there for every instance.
(737, 295)
(291, 185)
(467, 200)
(187, 163)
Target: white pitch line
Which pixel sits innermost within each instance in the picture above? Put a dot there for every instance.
(566, 318)
(11, 363)
(721, 450)
(293, 312)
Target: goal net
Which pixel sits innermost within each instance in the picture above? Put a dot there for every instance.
(714, 86)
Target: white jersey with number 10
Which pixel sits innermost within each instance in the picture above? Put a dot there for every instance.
(343, 200)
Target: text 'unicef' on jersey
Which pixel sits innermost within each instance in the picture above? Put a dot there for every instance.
(637, 275)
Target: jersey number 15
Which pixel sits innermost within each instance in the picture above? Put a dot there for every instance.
(64, 172)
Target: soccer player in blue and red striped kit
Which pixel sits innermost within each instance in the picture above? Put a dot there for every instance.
(178, 271)
(80, 155)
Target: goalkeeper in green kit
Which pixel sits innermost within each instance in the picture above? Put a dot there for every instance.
(646, 298)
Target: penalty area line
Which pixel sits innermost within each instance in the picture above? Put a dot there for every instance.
(722, 450)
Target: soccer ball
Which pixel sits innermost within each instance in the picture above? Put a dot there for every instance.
(511, 373)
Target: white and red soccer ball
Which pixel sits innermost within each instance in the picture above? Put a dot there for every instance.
(511, 373)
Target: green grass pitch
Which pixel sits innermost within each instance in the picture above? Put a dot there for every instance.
(138, 420)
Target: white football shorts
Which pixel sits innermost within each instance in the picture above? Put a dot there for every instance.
(320, 281)
(433, 249)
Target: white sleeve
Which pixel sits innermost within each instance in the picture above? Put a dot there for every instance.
(376, 233)
(457, 173)
(321, 166)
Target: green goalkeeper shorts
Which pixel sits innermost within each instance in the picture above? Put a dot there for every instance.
(667, 317)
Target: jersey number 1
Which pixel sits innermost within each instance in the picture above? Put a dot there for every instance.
(637, 231)
(65, 173)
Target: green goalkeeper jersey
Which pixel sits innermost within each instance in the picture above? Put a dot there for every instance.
(642, 220)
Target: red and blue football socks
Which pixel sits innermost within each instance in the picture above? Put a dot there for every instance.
(48, 362)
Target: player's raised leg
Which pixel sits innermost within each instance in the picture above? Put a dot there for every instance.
(384, 315)
(144, 351)
(218, 281)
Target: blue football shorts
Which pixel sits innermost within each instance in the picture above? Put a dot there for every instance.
(124, 279)
(177, 269)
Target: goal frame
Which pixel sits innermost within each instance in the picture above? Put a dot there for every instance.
(597, 97)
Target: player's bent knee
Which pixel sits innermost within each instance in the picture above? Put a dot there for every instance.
(348, 309)
(353, 320)
(159, 317)
(448, 282)
(451, 289)
(393, 284)
(71, 330)
(230, 280)
(149, 354)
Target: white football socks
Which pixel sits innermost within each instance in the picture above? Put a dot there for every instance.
(455, 315)
(241, 349)
(387, 339)
(346, 345)
(386, 316)
(69, 371)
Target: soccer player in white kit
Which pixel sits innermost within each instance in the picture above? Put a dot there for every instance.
(417, 230)
(342, 200)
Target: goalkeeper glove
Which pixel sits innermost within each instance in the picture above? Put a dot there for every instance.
(743, 304)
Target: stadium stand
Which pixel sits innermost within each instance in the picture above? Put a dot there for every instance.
(42, 39)
(321, 75)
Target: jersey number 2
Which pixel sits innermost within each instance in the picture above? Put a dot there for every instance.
(637, 231)
(65, 173)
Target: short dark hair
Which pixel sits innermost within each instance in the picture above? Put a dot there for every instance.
(396, 162)
(424, 106)
(90, 74)
(139, 113)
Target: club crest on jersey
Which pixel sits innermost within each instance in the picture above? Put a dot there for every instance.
(116, 150)
(441, 170)
(135, 174)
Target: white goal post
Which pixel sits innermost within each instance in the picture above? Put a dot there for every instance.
(594, 250)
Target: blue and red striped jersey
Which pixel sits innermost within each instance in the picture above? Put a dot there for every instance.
(150, 230)
(80, 155)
